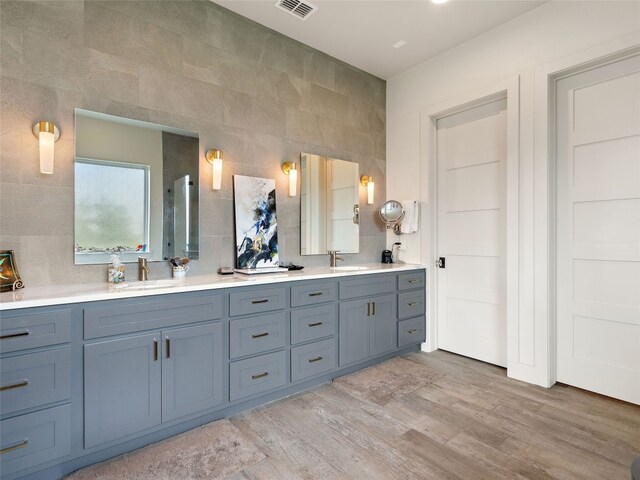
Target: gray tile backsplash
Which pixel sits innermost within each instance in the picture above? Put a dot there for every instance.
(257, 95)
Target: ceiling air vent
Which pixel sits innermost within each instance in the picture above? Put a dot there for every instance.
(302, 10)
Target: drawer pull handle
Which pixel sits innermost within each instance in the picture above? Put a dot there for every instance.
(23, 383)
(155, 349)
(14, 335)
(313, 360)
(264, 300)
(410, 332)
(414, 281)
(315, 294)
(368, 309)
(258, 335)
(413, 304)
(317, 324)
(259, 375)
(373, 308)
(168, 340)
(22, 444)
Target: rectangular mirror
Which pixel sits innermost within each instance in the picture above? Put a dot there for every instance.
(329, 216)
(136, 190)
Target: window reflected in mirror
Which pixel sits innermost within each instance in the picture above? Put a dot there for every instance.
(329, 196)
(136, 190)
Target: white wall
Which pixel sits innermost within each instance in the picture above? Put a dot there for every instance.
(549, 33)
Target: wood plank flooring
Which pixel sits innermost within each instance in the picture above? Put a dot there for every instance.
(441, 416)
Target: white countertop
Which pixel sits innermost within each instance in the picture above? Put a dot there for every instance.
(59, 295)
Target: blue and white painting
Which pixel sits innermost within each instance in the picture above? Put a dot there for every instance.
(256, 225)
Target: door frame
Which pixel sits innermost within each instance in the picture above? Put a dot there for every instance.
(545, 242)
(508, 88)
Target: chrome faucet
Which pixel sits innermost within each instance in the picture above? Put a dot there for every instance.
(143, 269)
(334, 258)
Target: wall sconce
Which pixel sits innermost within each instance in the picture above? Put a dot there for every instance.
(367, 181)
(47, 133)
(214, 157)
(289, 168)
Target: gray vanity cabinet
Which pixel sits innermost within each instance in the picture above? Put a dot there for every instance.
(368, 328)
(138, 382)
(192, 367)
(122, 387)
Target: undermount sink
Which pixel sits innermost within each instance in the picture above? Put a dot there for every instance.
(148, 285)
(349, 268)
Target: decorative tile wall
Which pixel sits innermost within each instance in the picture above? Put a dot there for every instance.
(257, 95)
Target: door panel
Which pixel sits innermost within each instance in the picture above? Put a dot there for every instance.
(354, 331)
(598, 229)
(121, 388)
(383, 332)
(192, 373)
(471, 232)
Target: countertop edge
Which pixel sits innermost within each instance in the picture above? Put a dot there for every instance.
(70, 294)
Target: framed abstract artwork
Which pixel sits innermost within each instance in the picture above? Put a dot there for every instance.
(255, 222)
(9, 276)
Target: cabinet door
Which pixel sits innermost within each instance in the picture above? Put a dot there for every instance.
(354, 331)
(383, 330)
(122, 388)
(191, 370)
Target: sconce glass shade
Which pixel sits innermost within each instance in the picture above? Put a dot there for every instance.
(291, 169)
(214, 157)
(47, 134)
(367, 181)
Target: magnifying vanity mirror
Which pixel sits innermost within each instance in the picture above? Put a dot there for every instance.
(392, 214)
(330, 213)
(136, 190)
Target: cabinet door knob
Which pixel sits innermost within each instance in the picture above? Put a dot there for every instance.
(368, 309)
(373, 309)
(155, 349)
(168, 343)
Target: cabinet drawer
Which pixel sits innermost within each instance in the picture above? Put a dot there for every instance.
(313, 323)
(367, 285)
(256, 301)
(313, 293)
(150, 313)
(257, 334)
(35, 379)
(258, 374)
(34, 330)
(35, 438)
(411, 331)
(408, 281)
(313, 359)
(411, 304)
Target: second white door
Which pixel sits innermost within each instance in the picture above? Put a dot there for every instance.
(472, 154)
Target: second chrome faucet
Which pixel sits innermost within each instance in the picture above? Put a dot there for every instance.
(334, 258)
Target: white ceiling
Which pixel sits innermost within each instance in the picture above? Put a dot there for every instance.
(363, 32)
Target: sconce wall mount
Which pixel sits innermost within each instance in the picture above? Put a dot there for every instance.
(47, 134)
(367, 181)
(290, 169)
(214, 157)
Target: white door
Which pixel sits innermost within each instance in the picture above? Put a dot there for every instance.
(598, 229)
(472, 155)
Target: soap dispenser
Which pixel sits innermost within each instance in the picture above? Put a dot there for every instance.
(115, 272)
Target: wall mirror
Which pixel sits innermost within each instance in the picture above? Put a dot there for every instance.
(330, 213)
(136, 190)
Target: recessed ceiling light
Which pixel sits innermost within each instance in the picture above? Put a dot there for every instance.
(439, 1)
(400, 44)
